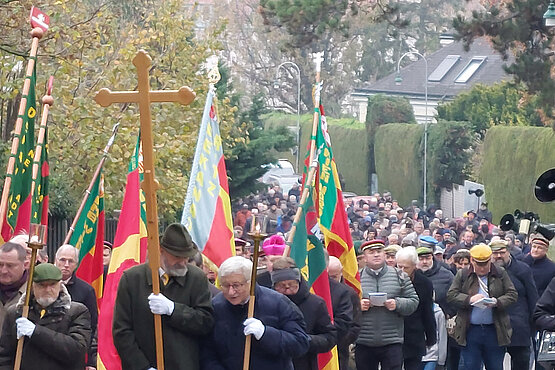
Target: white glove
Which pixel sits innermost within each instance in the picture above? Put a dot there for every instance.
(160, 305)
(24, 327)
(151, 368)
(255, 327)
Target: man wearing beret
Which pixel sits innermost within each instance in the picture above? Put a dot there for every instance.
(482, 294)
(521, 312)
(57, 330)
(183, 303)
(380, 341)
(542, 267)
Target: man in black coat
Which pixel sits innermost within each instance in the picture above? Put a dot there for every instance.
(67, 259)
(346, 311)
(543, 268)
(544, 313)
(420, 326)
(323, 334)
(520, 313)
(183, 304)
(57, 330)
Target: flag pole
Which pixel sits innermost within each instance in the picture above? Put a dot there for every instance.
(318, 59)
(36, 33)
(93, 180)
(47, 101)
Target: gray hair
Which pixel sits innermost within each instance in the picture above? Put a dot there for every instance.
(407, 254)
(236, 265)
(70, 247)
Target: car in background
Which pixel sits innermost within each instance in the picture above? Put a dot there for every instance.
(282, 173)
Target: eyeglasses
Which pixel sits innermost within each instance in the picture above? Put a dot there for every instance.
(63, 261)
(235, 286)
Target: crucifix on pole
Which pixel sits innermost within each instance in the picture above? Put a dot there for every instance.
(144, 96)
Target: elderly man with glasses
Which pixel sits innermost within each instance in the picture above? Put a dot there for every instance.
(482, 293)
(278, 328)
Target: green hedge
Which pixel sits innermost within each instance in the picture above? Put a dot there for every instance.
(513, 159)
(349, 144)
(398, 160)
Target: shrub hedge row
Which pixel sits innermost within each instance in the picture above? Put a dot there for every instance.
(513, 158)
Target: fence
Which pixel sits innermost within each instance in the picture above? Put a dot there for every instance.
(58, 228)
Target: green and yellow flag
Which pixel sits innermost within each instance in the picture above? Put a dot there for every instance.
(18, 214)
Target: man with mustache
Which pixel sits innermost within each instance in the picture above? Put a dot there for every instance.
(183, 303)
(57, 330)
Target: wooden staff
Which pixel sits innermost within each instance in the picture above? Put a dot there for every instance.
(95, 176)
(35, 242)
(318, 59)
(47, 101)
(37, 33)
(257, 236)
(144, 97)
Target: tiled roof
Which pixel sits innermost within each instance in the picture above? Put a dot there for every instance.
(489, 72)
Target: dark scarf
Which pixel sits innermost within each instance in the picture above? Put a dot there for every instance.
(7, 292)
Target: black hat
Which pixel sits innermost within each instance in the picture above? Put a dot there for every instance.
(177, 241)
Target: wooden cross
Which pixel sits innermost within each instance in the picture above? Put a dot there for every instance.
(144, 96)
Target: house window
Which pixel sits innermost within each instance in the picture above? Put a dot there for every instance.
(443, 68)
(470, 69)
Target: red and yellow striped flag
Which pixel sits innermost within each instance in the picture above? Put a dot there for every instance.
(130, 245)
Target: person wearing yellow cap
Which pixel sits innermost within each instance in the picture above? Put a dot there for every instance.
(481, 293)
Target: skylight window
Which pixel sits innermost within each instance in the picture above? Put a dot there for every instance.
(470, 69)
(443, 68)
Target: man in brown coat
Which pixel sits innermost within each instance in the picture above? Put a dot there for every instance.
(481, 294)
(183, 303)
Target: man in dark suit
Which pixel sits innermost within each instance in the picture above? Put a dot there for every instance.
(183, 303)
(420, 326)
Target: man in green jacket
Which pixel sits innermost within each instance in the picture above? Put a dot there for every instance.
(387, 296)
(183, 302)
(481, 294)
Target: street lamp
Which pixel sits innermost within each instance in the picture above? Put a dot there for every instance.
(276, 85)
(549, 15)
(398, 80)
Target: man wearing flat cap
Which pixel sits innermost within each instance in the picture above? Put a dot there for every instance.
(183, 303)
(440, 275)
(521, 312)
(57, 330)
(482, 293)
(387, 296)
(542, 267)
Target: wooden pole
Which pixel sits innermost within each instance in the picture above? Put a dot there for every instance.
(257, 236)
(144, 97)
(47, 102)
(25, 311)
(313, 164)
(37, 33)
(95, 176)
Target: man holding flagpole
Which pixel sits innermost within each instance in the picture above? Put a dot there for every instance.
(183, 303)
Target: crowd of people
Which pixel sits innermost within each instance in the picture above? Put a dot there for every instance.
(436, 293)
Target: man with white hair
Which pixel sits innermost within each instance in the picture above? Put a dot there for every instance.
(346, 310)
(420, 326)
(67, 259)
(277, 328)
